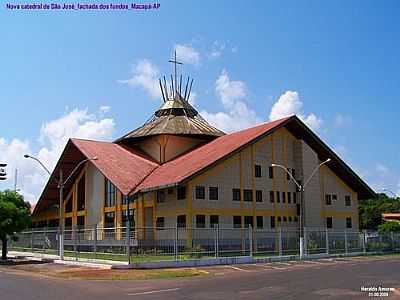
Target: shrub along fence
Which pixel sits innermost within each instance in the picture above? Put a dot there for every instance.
(177, 243)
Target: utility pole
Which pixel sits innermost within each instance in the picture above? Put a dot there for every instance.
(3, 173)
(15, 179)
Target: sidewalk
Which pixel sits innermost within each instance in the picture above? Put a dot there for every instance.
(86, 262)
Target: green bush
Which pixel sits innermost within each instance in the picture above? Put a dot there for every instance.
(389, 226)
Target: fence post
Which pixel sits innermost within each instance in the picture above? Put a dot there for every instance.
(392, 239)
(280, 241)
(95, 240)
(305, 241)
(327, 240)
(176, 243)
(32, 239)
(216, 240)
(364, 242)
(128, 240)
(250, 229)
(345, 241)
(74, 234)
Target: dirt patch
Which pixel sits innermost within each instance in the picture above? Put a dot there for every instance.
(75, 272)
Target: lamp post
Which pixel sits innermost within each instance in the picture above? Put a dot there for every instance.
(301, 188)
(60, 185)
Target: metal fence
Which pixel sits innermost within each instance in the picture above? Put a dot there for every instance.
(175, 243)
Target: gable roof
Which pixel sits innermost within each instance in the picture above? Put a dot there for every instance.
(124, 168)
(201, 159)
(187, 165)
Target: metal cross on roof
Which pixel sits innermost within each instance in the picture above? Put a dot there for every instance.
(175, 62)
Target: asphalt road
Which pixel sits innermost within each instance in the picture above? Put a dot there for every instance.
(320, 279)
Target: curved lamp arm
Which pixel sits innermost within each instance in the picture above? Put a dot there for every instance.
(315, 170)
(290, 174)
(34, 158)
(76, 168)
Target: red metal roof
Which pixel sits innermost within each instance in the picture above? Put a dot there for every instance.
(125, 169)
(194, 161)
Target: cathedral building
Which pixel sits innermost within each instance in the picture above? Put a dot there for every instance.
(178, 170)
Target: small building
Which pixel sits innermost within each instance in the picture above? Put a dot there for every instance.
(391, 217)
(178, 170)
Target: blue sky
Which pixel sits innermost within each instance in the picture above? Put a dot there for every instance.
(91, 74)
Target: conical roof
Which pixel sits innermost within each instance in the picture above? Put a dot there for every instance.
(175, 116)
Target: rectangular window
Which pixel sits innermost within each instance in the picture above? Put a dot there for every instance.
(109, 219)
(290, 218)
(289, 197)
(236, 194)
(181, 221)
(124, 199)
(259, 197)
(248, 221)
(81, 193)
(160, 196)
(213, 193)
(248, 195)
(328, 200)
(283, 197)
(329, 222)
(349, 223)
(68, 204)
(294, 197)
(257, 170)
(237, 222)
(260, 221)
(131, 217)
(272, 221)
(214, 221)
(181, 194)
(278, 197)
(110, 194)
(347, 200)
(200, 192)
(160, 222)
(284, 219)
(80, 221)
(200, 221)
(271, 172)
(334, 197)
(271, 196)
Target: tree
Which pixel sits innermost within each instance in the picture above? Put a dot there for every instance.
(389, 226)
(14, 217)
(371, 210)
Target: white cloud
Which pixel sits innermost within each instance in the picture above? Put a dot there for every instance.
(217, 49)
(192, 98)
(341, 120)
(145, 75)
(382, 170)
(187, 54)
(104, 108)
(237, 114)
(288, 104)
(52, 139)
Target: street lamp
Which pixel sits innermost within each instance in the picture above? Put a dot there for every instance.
(60, 186)
(301, 188)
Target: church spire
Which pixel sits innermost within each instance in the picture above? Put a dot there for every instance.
(175, 87)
